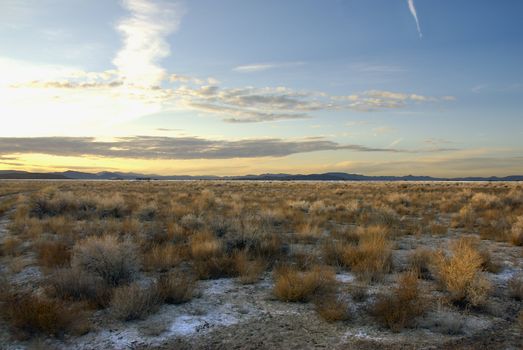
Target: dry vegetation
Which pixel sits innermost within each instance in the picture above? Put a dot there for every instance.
(127, 248)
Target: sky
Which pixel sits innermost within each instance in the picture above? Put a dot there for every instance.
(232, 87)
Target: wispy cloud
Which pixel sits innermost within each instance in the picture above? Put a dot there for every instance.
(144, 34)
(478, 88)
(414, 13)
(259, 67)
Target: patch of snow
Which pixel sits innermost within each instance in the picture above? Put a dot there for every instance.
(345, 277)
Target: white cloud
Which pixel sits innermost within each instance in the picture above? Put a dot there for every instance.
(259, 67)
(144, 33)
(414, 13)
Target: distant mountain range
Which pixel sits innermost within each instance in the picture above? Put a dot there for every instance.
(105, 175)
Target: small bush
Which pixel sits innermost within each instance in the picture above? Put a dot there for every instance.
(72, 284)
(301, 286)
(517, 232)
(116, 262)
(461, 273)
(332, 309)
(53, 253)
(398, 309)
(162, 257)
(420, 261)
(204, 245)
(134, 302)
(515, 287)
(176, 288)
(215, 267)
(29, 315)
(249, 270)
(372, 257)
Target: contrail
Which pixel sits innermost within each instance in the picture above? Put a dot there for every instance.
(415, 15)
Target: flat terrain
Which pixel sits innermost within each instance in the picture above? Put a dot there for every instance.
(261, 265)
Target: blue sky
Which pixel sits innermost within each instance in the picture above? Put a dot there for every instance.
(263, 86)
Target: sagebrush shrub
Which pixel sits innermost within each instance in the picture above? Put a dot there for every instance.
(461, 273)
(517, 232)
(77, 285)
(398, 309)
(176, 288)
(115, 261)
(372, 257)
(53, 253)
(134, 301)
(29, 315)
(300, 286)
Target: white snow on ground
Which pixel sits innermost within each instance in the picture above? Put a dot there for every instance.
(345, 277)
(213, 308)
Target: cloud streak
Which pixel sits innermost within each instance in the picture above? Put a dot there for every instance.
(174, 148)
(414, 13)
(144, 35)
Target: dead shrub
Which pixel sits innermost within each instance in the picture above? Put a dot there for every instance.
(114, 261)
(398, 309)
(372, 257)
(204, 245)
(515, 287)
(134, 301)
(517, 232)
(176, 288)
(332, 309)
(72, 284)
(420, 261)
(461, 273)
(53, 253)
(214, 267)
(293, 285)
(162, 257)
(249, 270)
(29, 315)
(12, 246)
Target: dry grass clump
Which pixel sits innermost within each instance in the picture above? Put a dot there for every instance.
(176, 288)
(517, 232)
(332, 309)
(399, 309)
(134, 301)
(293, 285)
(483, 201)
(515, 287)
(114, 261)
(461, 273)
(72, 284)
(420, 261)
(214, 267)
(53, 253)
(371, 258)
(29, 314)
(204, 245)
(12, 246)
(163, 257)
(249, 269)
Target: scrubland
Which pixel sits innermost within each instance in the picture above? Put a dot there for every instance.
(206, 264)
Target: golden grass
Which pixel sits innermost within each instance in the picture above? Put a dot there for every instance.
(293, 285)
(400, 308)
(461, 273)
(176, 288)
